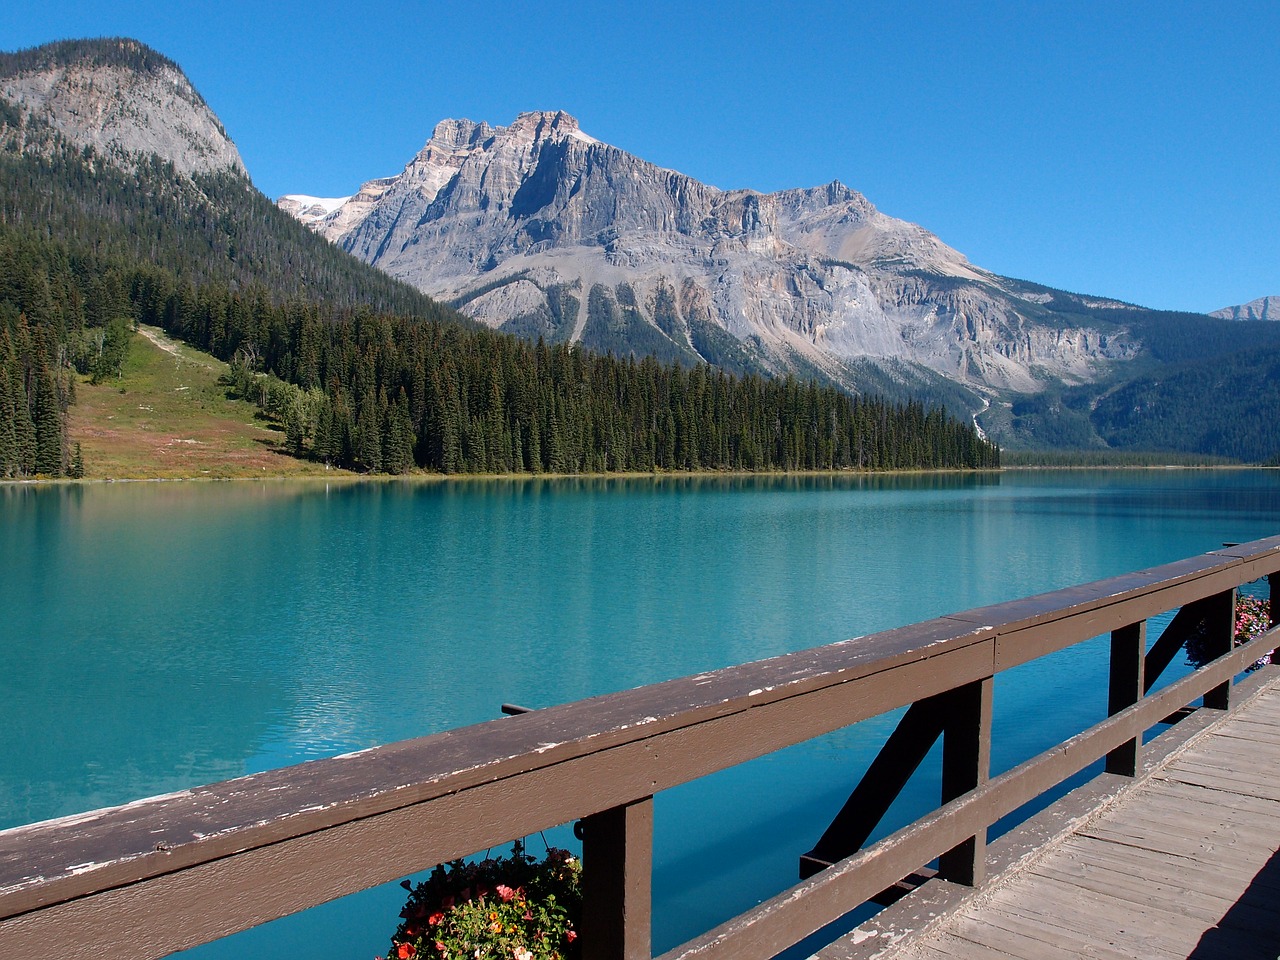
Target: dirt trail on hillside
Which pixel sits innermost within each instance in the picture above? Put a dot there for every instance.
(168, 346)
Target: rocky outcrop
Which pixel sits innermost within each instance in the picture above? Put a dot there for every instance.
(537, 227)
(1264, 308)
(121, 99)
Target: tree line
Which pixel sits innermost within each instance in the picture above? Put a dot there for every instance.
(380, 392)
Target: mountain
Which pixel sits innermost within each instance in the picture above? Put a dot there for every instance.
(107, 139)
(123, 100)
(540, 229)
(1264, 308)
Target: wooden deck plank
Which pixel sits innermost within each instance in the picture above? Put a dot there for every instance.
(1205, 776)
(951, 947)
(1186, 866)
(1202, 880)
(1238, 803)
(1019, 936)
(1120, 884)
(1142, 928)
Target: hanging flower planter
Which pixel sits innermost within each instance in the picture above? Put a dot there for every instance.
(1252, 620)
(513, 908)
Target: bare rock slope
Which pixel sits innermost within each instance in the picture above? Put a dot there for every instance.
(1264, 308)
(541, 229)
(122, 99)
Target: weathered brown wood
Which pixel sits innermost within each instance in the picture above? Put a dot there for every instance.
(828, 895)
(931, 907)
(1127, 685)
(1220, 622)
(902, 753)
(617, 864)
(226, 819)
(966, 765)
(1273, 608)
(1043, 624)
(1171, 641)
(1171, 870)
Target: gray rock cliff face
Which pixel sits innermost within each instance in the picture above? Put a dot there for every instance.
(539, 228)
(124, 113)
(1264, 308)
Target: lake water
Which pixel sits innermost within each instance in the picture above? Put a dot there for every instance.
(160, 635)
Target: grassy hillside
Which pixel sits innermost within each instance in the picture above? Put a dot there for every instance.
(167, 415)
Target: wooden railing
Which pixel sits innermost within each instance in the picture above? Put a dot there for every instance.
(170, 872)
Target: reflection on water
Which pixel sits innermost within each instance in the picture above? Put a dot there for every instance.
(157, 636)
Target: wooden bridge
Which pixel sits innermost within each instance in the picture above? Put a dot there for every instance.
(1183, 864)
(166, 873)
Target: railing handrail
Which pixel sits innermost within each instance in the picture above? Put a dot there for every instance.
(288, 839)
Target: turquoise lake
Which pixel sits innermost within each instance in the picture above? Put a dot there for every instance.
(155, 636)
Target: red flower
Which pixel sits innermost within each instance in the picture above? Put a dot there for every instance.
(570, 936)
(435, 918)
(406, 951)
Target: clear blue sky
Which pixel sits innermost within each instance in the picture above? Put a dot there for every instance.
(1124, 149)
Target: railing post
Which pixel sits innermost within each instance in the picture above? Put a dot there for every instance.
(1220, 622)
(1128, 683)
(966, 763)
(1273, 592)
(617, 875)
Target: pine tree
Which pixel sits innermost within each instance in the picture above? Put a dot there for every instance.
(9, 460)
(48, 426)
(23, 426)
(293, 427)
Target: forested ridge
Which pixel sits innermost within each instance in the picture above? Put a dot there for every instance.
(381, 392)
(363, 371)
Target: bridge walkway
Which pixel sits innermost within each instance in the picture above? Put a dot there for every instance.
(1184, 865)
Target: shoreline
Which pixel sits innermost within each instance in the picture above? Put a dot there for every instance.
(425, 477)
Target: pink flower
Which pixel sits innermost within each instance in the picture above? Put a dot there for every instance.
(505, 892)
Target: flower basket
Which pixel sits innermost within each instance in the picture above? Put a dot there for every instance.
(513, 908)
(1252, 620)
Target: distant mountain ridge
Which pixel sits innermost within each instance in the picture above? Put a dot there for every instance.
(547, 232)
(1264, 308)
(541, 229)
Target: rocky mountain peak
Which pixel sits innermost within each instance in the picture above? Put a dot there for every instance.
(546, 124)
(458, 135)
(121, 98)
(539, 229)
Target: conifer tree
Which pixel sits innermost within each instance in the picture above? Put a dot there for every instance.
(48, 427)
